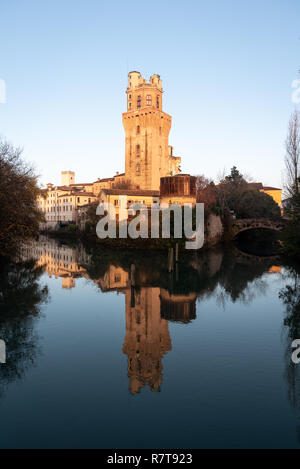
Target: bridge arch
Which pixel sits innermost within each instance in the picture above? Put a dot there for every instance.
(241, 225)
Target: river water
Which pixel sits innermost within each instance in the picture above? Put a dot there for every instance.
(106, 349)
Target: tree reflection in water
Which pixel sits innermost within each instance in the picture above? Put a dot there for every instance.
(153, 296)
(21, 297)
(290, 295)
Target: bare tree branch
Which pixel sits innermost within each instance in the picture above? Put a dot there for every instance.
(292, 157)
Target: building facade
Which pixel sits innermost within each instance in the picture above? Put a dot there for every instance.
(179, 189)
(275, 193)
(126, 198)
(59, 203)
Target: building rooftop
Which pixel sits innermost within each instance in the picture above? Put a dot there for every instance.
(131, 192)
(90, 194)
(105, 179)
(95, 202)
(268, 188)
(78, 193)
(256, 185)
(82, 184)
(62, 188)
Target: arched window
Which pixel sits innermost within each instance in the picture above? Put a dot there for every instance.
(138, 130)
(138, 168)
(138, 150)
(139, 101)
(149, 100)
(157, 102)
(129, 105)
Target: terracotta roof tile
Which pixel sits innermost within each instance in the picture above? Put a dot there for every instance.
(131, 192)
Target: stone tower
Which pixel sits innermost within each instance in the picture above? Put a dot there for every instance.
(148, 156)
(67, 178)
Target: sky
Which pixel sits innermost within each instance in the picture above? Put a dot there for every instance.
(227, 68)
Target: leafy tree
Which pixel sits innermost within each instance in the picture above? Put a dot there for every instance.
(229, 189)
(91, 218)
(255, 204)
(246, 201)
(235, 178)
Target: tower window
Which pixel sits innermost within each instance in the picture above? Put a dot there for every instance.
(138, 150)
(129, 96)
(157, 102)
(138, 130)
(129, 105)
(139, 101)
(149, 100)
(138, 317)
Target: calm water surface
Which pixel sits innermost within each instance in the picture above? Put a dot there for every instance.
(108, 350)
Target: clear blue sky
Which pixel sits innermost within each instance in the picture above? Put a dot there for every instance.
(226, 65)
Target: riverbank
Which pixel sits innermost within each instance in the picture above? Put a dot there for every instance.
(116, 243)
(214, 236)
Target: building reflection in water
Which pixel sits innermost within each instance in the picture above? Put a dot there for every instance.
(152, 296)
(148, 309)
(147, 338)
(60, 261)
(178, 308)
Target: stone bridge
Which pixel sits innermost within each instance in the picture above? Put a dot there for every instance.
(247, 258)
(254, 224)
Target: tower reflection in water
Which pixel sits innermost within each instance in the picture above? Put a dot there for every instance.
(153, 297)
(148, 309)
(148, 312)
(147, 338)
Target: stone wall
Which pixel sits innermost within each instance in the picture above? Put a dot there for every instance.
(214, 231)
